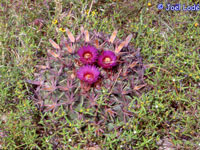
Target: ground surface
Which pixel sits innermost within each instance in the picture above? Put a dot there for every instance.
(169, 113)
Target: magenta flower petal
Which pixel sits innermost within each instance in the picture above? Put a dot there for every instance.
(88, 54)
(107, 59)
(88, 74)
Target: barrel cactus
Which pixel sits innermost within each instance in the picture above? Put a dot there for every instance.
(93, 76)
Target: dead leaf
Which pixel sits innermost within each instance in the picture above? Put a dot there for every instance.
(41, 66)
(113, 36)
(118, 49)
(54, 44)
(82, 30)
(128, 39)
(133, 64)
(69, 49)
(63, 88)
(49, 88)
(70, 35)
(49, 107)
(87, 36)
(149, 65)
(72, 76)
(93, 148)
(96, 43)
(53, 54)
(139, 87)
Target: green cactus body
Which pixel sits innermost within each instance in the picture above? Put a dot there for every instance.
(106, 100)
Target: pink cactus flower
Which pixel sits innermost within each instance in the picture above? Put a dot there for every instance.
(88, 54)
(107, 59)
(88, 74)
